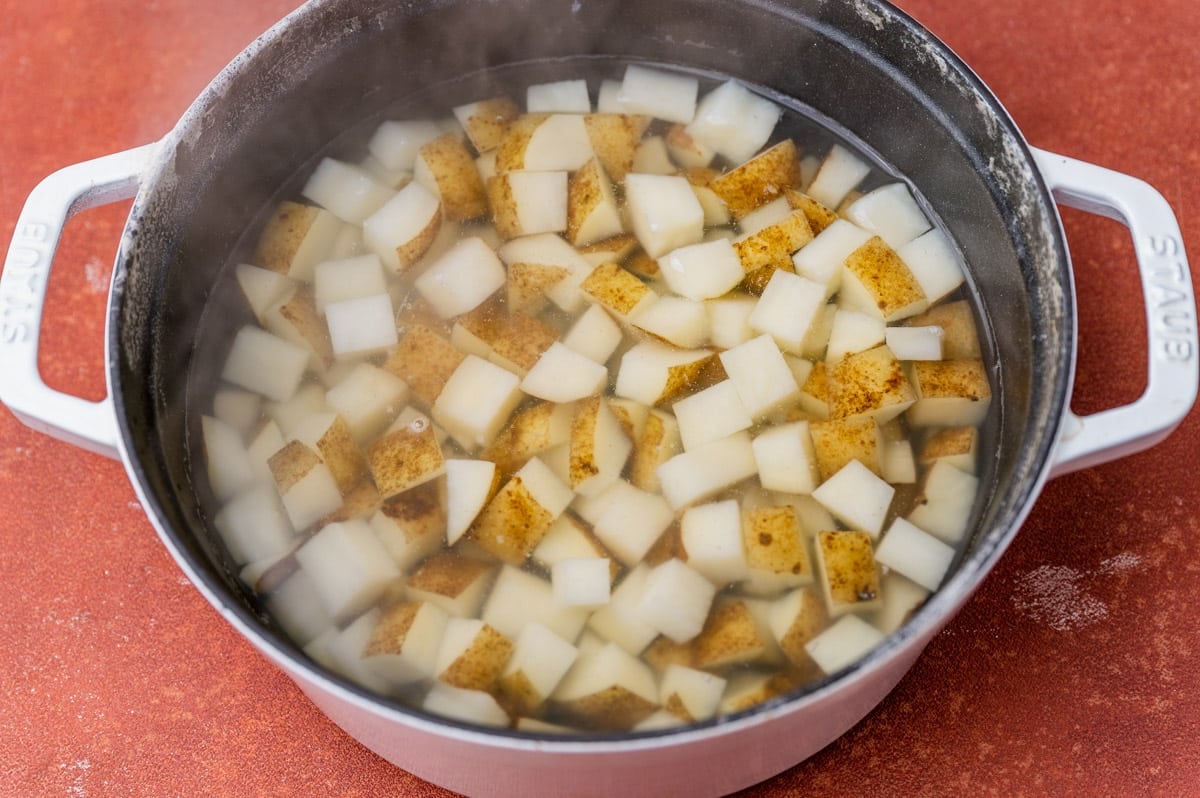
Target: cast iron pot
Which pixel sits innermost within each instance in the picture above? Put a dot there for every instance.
(864, 68)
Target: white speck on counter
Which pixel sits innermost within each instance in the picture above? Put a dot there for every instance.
(1126, 561)
(1054, 595)
(96, 274)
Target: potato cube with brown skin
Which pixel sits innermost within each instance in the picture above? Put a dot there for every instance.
(658, 442)
(342, 652)
(960, 341)
(520, 514)
(599, 447)
(760, 179)
(619, 621)
(330, 436)
(295, 318)
(786, 458)
(594, 334)
(731, 636)
(406, 457)
(869, 383)
(734, 121)
(538, 663)
(470, 485)
(469, 706)
(690, 694)
(405, 227)
(776, 553)
(614, 249)
(822, 260)
(686, 150)
(819, 216)
(349, 567)
(295, 238)
(950, 393)
(519, 598)
(607, 690)
(404, 643)
(843, 643)
(875, 280)
(367, 398)
(425, 361)
(452, 582)
(934, 263)
(544, 143)
(410, 525)
(262, 288)
(550, 250)
(617, 290)
(795, 619)
(462, 278)
(840, 440)
(956, 446)
(593, 213)
(748, 689)
(476, 402)
(629, 520)
(773, 245)
(653, 373)
(849, 573)
(526, 203)
(841, 170)
(706, 470)
(856, 497)
(471, 654)
(944, 502)
(528, 284)
(614, 138)
(306, 485)
(512, 340)
(486, 121)
(446, 168)
(532, 430)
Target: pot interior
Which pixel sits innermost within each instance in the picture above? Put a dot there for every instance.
(322, 79)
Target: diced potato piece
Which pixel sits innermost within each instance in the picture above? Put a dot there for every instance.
(297, 608)
(410, 525)
(664, 95)
(678, 321)
(731, 636)
(295, 238)
(346, 191)
(306, 485)
(786, 458)
(796, 618)
(620, 621)
(875, 280)
(549, 250)
(564, 96)
(342, 652)
(486, 121)
(849, 574)
(676, 600)
(527, 203)
(570, 539)
(934, 263)
(711, 414)
(581, 582)
(654, 373)
(528, 284)
(309, 399)
(854, 332)
(844, 643)
(471, 654)
(254, 526)
(392, 178)
(262, 445)
(264, 289)
(405, 227)
(702, 271)
(349, 567)
(511, 340)
(614, 249)
(944, 503)
(539, 661)
(729, 320)
(451, 582)
(347, 278)
(406, 457)
(901, 596)
(915, 343)
(712, 538)
(607, 689)
(368, 398)
(840, 440)
(686, 150)
(707, 469)
(759, 180)
(653, 157)
(396, 143)
(238, 408)
(446, 168)
(840, 172)
(734, 121)
(773, 245)
(819, 216)
(955, 445)
(869, 383)
(788, 310)
(776, 553)
(592, 210)
(664, 212)
(891, 213)
(760, 375)
(404, 643)
(857, 497)
(617, 290)
(519, 598)
(265, 363)
(329, 435)
(476, 402)
(599, 447)
(425, 361)
(362, 326)
(227, 462)
(716, 212)
(295, 318)
(822, 259)
(614, 138)
(629, 520)
(950, 393)
(915, 553)
(690, 694)
(960, 341)
(461, 279)
(471, 706)
(521, 513)
(532, 431)
(899, 465)
(762, 217)
(658, 442)
(544, 143)
(562, 375)
(470, 484)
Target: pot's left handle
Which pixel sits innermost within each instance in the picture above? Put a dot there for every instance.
(90, 425)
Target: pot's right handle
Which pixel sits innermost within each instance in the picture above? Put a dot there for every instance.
(90, 425)
(1170, 314)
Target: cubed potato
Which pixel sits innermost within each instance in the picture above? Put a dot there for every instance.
(759, 180)
(544, 143)
(368, 398)
(411, 525)
(476, 402)
(528, 283)
(711, 535)
(254, 526)
(306, 485)
(396, 142)
(526, 203)
(581, 582)
(520, 514)
(843, 643)
(702, 270)
(405, 227)
(469, 706)
(849, 573)
(796, 618)
(658, 442)
(538, 663)
(687, 150)
(240, 409)
(762, 217)
(309, 399)
(711, 414)
(856, 497)
(608, 689)
(614, 249)
(295, 318)
(264, 363)
(349, 567)
(532, 431)
(451, 582)
(629, 520)
(786, 460)
(267, 440)
(620, 621)
(462, 278)
(593, 213)
(362, 326)
(869, 383)
(347, 278)
(819, 216)
(228, 464)
(550, 250)
(788, 310)
(960, 340)
(348, 192)
(934, 263)
(406, 457)
(471, 654)
(675, 320)
(761, 376)
(734, 121)
(594, 334)
(854, 331)
(664, 212)
(653, 157)
(617, 290)
(841, 171)
(729, 319)
(519, 598)
(663, 95)
(901, 596)
(511, 340)
(486, 121)
(776, 552)
(944, 502)
(707, 469)
(676, 600)
(950, 393)
(470, 485)
(772, 246)
(599, 447)
(425, 361)
(570, 539)
(404, 643)
(823, 259)
(392, 178)
(614, 138)
(341, 651)
(295, 238)
(262, 288)
(915, 343)
(446, 168)
(838, 441)
(563, 375)
(875, 280)
(891, 213)
(690, 694)
(731, 636)
(653, 373)
(297, 608)
(911, 551)
(956, 446)
(329, 435)
(563, 96)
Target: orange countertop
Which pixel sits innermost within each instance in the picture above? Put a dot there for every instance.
(1073, 670)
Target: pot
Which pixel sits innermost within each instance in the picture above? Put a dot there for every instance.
(900, 93)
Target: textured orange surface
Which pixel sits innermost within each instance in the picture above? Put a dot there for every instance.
(1074, 670)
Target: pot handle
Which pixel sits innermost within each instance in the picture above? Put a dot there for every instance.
(1170, 314)
(76, 188)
